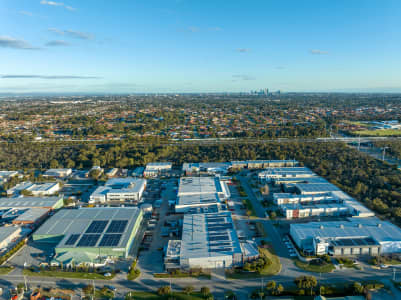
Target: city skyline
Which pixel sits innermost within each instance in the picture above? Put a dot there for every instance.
(186, 46)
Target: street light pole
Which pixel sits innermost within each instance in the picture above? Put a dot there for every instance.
(384, 153)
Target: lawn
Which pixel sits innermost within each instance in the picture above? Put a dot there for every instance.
(327, 268)
(273, 268)
(183, 275)
(104, 293)
(347, 263)
(150, 296)
(378, 132)
(63, 274)
(5, 270)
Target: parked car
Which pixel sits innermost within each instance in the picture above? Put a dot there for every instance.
(110, 287)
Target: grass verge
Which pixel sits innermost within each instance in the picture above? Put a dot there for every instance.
(273, 267)
(5, 270)
(133, 272)
(174, 295)
(63, 274)
(180, 274)
(326, 268)
(378, 132)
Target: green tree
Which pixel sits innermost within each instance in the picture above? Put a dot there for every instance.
(205, 291)
(54, 164)
(306, 282)
(164, 290)
(188, 290)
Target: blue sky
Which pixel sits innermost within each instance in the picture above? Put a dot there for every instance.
(125, 46)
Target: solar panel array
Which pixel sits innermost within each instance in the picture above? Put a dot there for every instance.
(219, 238)
(72, 239)
(110, 240)
(117, 226)
(97, 226)
(112, 233)
(88, 240)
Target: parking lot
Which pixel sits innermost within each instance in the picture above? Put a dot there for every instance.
(162, 226)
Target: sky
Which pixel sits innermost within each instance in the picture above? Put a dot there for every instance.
(160, 46)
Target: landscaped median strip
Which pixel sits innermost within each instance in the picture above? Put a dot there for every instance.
(5, 270)
(325, 267)
(65, 274)
(181, 274)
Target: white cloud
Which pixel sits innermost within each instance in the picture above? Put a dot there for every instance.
(193, 29)
(318, 52)
(243, 77)
(57, 43)
(60, 4)
(19, 76)
(26, 13)
(9, 42)
(243, 50)
(73, 34)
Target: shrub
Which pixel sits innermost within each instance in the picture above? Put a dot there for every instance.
(205, 291)
(164, 290)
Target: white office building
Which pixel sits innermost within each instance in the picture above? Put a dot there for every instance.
(36, 189)
(289, 198)
(156, 168)
(211, 168)
(58, 173)
(298, 211)
(272, 174)
(119, 190)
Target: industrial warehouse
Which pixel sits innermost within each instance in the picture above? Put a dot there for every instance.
(119, 190)
(197, 203)
(354, 236)
(90, 235)
(208, 241)
(35, 189)
(189, 186)
(32, 202)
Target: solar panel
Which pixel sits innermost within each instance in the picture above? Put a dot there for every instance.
(72, 239)
(117, 226)
(214, 220)
(221, 250)
(109, 240)
(220, 244)
(97, 226)
(219, 238)
(88, 240)
(219, 227)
